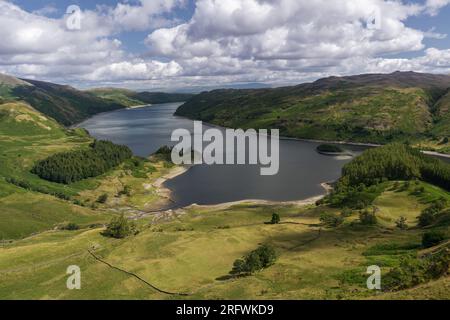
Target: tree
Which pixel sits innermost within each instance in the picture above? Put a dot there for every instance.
(267, 255)
(120, 228)
(426, 218)
(238, 267)
(368, 218)
(253, 263)
(402, 223)
(428, 215)
(432, 238)
(275, 219)
(331, 219)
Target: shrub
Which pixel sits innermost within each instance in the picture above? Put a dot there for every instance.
(275, 219)
(428, 215)
(120, 228)
(414, 271)
(103, 198)
(346, 212)
(368, 218)
(331, 220)
(402, 223)
(126, 191)
(164, 153)
(432, 238)
(71, 227)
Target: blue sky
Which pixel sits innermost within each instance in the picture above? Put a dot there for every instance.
(174, 44)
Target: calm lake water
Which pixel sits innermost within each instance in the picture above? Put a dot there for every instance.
(145, 130)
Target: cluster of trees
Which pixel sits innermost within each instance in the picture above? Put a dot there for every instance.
(41, 189)
(363, 179)
(352, 197)
(414, 271)
(120, 228)
(395, 162)
(332, 220)
(430, 214)
(69, 167)
(432, 238)
(257, 260)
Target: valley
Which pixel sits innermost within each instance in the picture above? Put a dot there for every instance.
(381, 211)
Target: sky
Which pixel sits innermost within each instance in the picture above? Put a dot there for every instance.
(176, 44)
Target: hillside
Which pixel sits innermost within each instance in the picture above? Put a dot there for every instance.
(131, 98)
(65, 104)
(377, 108)
(29, 204)
(69, 106)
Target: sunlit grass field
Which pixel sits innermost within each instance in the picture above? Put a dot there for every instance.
(194, 252)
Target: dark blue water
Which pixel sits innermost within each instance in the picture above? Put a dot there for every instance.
(145, 130)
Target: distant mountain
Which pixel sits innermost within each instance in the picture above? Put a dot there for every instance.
(68, 105)
(131, 98)
(366, 108)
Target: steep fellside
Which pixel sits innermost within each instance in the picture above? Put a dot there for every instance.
(68, 105)
(376, 108)
(65, 104)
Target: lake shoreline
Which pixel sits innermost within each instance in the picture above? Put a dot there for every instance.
(339, 142)
(167, 193)
(327, 186)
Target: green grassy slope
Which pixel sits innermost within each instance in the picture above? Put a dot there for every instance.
(181, 255)
(65, 104)
(27, 136)
(69, 106)
(366, 108)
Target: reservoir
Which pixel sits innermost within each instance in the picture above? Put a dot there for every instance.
(145, 130)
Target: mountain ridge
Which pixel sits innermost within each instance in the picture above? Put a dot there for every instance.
(370, 108)
(69, 105)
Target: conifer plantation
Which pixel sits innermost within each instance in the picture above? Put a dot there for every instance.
(396, 162)
(69, 167)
